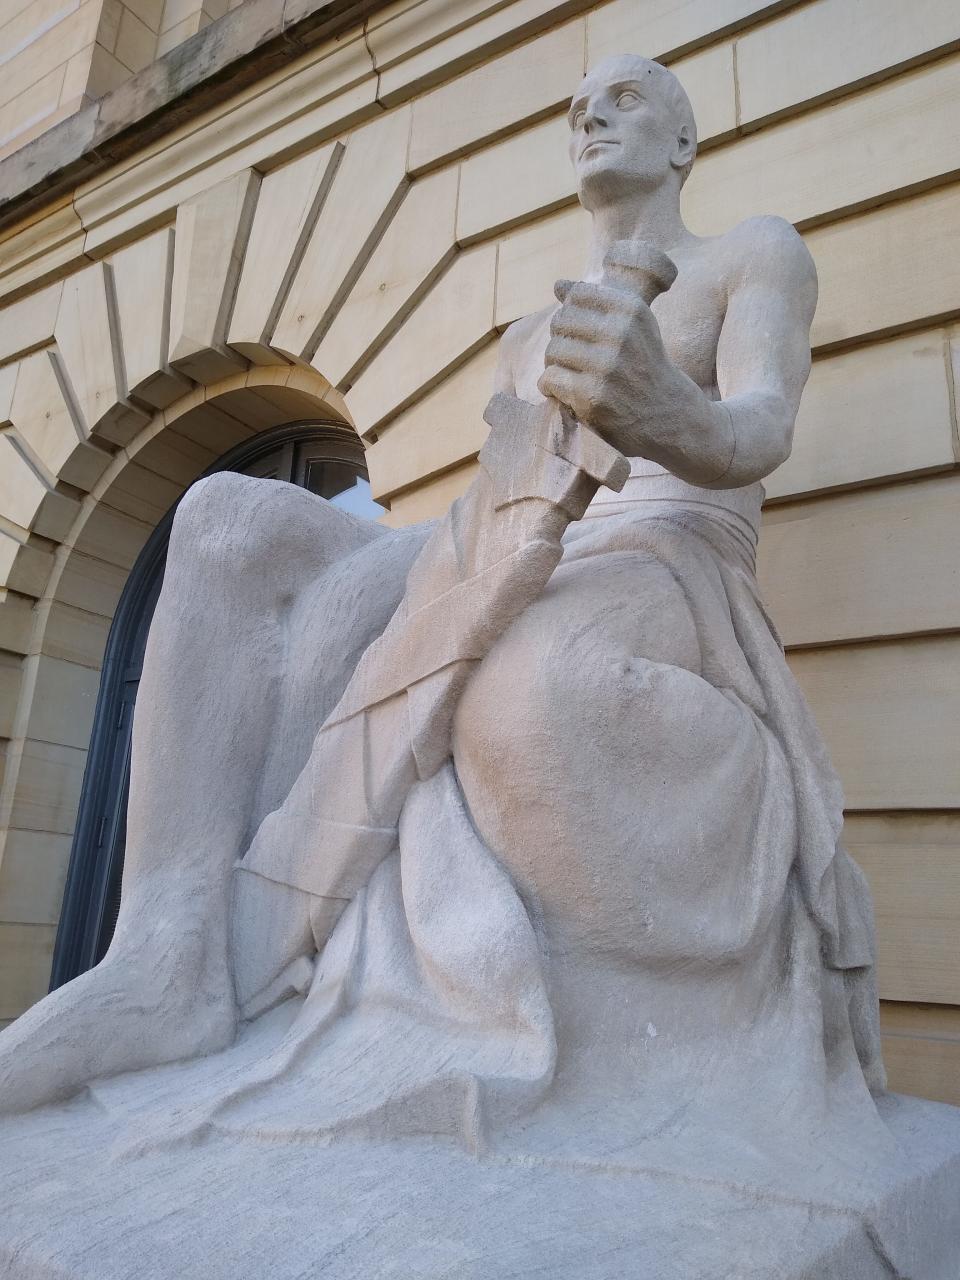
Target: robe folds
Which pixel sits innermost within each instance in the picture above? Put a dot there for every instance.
(428, 1008)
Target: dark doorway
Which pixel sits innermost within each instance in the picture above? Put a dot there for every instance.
(326, 459)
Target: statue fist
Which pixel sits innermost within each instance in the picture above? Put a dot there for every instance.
(605, 360)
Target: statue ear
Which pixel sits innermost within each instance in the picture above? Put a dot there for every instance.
(686, 148)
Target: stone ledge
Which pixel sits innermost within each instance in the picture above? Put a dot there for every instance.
(243, 46)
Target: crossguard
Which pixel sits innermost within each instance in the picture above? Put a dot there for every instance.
(535, 449)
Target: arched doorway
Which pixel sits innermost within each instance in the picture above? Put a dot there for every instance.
(327, 459)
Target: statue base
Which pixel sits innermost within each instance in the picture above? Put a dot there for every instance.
(228, 1206)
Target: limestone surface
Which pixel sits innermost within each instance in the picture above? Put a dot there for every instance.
(484, 912)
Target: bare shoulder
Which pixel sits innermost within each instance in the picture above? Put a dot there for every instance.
(768, 251)
(522, 331)
(515, 341)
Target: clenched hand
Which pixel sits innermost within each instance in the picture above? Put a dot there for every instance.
(606, 361)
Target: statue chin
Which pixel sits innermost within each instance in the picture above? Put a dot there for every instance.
(623, 175)
(603, 183)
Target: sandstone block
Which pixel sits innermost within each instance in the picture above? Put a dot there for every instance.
(49, 424)
(48, 779)
(815, 50)
(844, 156)
(441, 431)
(666, 28)
(453, 321)
(419, 241)
(61, 710)
(369, 184)
(211, 233)
(872, 412)
(86, 337)
(500, 96)
(26, 951)
(288, 207)
(913, 864)
(142, 276)
(32, 874)
(887, 268)
(871, 562)
(888, 712)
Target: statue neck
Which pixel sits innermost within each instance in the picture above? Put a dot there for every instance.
(653, 216)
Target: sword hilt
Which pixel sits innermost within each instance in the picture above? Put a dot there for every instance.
(631, 266)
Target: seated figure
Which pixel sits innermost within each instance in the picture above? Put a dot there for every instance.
(513, 829)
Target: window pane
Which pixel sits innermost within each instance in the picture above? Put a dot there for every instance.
(327, 478)
(358, 500)
(275, 465)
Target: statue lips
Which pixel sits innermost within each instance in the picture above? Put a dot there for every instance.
(597, 142)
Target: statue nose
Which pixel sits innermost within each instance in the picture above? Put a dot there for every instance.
(593, 119)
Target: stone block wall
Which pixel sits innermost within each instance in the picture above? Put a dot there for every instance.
(58, 55)
(182, 19)
(46, 54)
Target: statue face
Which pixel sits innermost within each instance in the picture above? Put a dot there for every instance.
(624, 135)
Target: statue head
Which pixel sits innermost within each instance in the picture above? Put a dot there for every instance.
(631, 129)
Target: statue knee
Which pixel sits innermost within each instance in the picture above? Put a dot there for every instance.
(209, 517)
(218, 502)
(233, 523)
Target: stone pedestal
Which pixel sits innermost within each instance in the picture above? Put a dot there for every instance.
(226, 1206)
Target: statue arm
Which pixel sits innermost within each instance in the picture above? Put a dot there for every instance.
(510, 351)
(763, 356)
(504, 378)
(763, 360)
(607, 361)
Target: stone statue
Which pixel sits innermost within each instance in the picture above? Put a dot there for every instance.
(498, 858)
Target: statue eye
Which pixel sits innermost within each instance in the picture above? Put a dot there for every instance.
(578, 117)
(628, 98)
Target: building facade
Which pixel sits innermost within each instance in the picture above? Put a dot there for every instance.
(272, 236)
